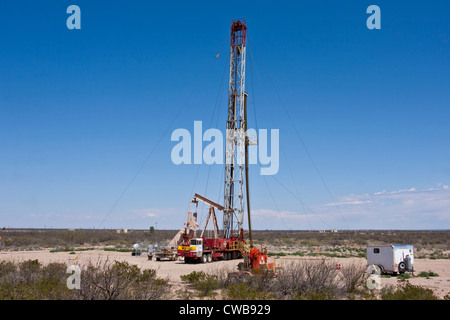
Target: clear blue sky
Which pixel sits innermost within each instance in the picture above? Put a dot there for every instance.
(81, 110)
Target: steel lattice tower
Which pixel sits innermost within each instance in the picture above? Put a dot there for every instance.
(236, 136)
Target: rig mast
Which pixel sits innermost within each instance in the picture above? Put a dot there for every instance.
(236, 140)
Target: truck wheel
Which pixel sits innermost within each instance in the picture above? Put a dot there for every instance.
(209, 257)
(204, 258)
(402, 267)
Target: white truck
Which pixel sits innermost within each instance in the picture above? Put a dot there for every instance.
(391, 258)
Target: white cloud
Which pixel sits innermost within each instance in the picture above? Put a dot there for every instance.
(348, 202)
(264, 213)
(151, 215)
(409, 208)
(155, 212)
(403, 209)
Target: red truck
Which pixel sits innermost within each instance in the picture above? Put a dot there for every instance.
(201, 249)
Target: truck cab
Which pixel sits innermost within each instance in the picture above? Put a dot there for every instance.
(193, 249)
(196, 247)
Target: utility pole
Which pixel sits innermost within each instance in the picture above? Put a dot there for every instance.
(236, 140)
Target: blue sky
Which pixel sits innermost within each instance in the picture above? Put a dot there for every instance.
(86, 115)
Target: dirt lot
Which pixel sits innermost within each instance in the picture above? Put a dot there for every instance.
(173, 269)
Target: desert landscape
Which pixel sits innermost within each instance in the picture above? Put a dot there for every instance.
(339, 255)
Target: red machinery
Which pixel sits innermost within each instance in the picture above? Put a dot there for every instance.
(257, 260)
(203, 249)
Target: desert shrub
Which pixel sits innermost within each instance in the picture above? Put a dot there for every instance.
(193, 277)
(404, 276)
(352, 276)
(233, 285)
(203, 282)
(121, 281)
(150, 287)
(408, 291)
(29, 280)
(6, 268)
(243, 291)
(207, 286)
(291, 281)
(308, 279)
(29, 270)
(362, 255)
(259, 280)
(428, 274)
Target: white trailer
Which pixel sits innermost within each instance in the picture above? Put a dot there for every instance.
(391, 258)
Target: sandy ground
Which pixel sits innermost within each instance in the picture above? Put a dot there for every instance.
(174, 269)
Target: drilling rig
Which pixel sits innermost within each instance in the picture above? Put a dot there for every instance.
(235, 147)
(229, 243)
